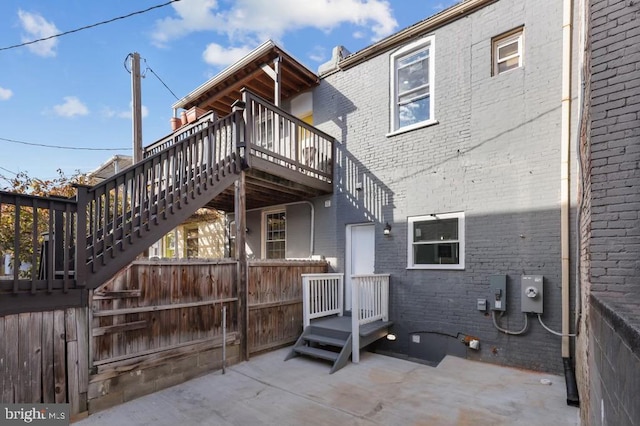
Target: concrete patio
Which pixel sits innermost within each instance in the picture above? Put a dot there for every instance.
(378, 391)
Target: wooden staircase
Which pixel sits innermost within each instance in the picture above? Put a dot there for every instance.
(331, 339)
(133, 209)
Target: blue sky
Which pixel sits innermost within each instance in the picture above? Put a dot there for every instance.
(74, 90)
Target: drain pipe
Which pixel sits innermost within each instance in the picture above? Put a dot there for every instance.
(569, 373)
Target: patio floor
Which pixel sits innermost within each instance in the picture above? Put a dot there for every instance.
(379, 391)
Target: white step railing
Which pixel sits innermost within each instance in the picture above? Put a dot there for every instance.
(322, 295)
(369, 302)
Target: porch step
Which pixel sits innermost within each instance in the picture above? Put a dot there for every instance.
(317, 353)
(325, 340)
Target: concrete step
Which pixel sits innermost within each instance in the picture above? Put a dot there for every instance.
(317, 353)
(325, 340)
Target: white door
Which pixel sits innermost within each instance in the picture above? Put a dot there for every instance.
(360, 255)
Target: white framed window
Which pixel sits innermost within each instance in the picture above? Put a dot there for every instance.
(507, 51)
(412, 75)
(436, 241)
(275, 238)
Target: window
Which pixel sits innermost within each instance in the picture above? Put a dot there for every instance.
(507, 51)
(275, 235)
(412, 85)
(170, 245)
(436, 241)
(191, 242)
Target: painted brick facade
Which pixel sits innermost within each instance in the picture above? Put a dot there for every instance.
(494, 155)
(609, 345)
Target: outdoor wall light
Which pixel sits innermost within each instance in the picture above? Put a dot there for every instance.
(387, 229)
(391, 337)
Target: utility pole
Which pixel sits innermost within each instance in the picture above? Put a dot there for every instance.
(136, 95)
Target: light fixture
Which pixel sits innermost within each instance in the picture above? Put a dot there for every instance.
(391, 337)
(387, 229)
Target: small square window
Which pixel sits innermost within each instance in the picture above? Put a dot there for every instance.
(436, 241)
(507, 51)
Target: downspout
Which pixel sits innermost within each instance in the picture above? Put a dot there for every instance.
(572, 393)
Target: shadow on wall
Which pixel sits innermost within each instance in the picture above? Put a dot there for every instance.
(365, 195)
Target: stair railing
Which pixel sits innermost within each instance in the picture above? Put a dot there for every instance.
(122, 209)
(322, 295)
(369, 303)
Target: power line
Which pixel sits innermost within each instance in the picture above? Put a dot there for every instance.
(89, 26)
(75, 148)
(159, 79)
(9, 171)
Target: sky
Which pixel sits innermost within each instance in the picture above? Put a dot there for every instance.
(74, 90)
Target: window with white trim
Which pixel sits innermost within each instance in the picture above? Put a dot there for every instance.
(436, 241)
(412, 85)
(275, 226)
(507, 51)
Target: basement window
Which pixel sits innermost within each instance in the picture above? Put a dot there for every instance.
(436, 241)
(507, 51)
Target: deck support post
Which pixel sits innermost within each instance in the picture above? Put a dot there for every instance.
(241, 257)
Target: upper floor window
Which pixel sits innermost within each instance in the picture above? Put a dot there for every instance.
(507, 51)
(276, 235)
(436, 241)
(412, 85)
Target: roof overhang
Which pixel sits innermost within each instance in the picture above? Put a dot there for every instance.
(222, 90)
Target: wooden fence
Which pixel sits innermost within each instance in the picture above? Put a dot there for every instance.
(155, 324)
(43, 358)
(275, 301)
(158, 323)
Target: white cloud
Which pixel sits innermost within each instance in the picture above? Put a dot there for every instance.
(250, 20)
(318, 54)
(124, 113)
(71, 107)
(37, 27)
(5, 94)
(218, 55)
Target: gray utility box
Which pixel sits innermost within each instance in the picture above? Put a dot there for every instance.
(498, 288)
(531, 294)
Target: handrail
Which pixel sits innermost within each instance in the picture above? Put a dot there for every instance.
(369, 302)
(322, 295)
(278, 137)
(44, 236)
(122, 208)
(180, 134)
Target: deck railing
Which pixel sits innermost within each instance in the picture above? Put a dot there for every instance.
(42, 243)
(280, 138)
(182, 133)
(369, 302)
(322, 295)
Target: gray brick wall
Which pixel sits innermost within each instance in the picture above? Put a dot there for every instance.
(494, 154)
(610, 348)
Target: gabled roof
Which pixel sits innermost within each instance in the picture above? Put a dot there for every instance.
(222, 90)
